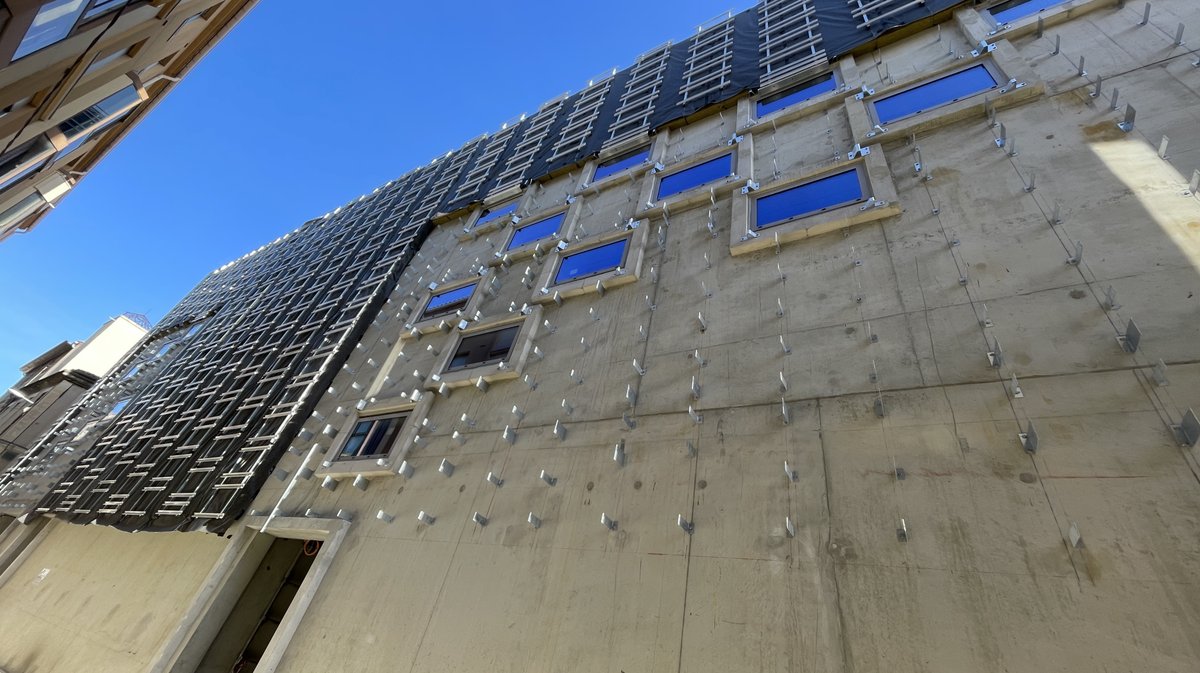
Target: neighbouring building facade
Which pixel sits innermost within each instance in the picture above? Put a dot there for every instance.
(77, 75)
(839, 336)
(54, 381)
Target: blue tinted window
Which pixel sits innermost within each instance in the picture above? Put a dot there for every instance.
(497, 213)
(445, 303)
(536, 231)
(713, 169)
(591, 262)
(620, 163)
(939, 92)
(828, 192)
(53, 22)
(102, 6)
(797, 94)
(1015, 9)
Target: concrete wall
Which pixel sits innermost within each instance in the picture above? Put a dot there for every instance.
(990, 577)
(88, 598)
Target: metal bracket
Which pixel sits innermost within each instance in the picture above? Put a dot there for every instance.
(1188, 430)
(983, 48)
(751, 186)
(1029, 438)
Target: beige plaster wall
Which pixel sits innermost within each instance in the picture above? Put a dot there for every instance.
(89, 598)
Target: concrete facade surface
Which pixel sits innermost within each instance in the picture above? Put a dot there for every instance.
(920, 442)
(96, 599)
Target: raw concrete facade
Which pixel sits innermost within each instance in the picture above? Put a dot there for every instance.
(917, 433)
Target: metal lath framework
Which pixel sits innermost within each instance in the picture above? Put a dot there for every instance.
(481, 170)
(536, 133)
(583, 118)
(788, 38)
(869, 12)
(451, 171)
(641, 92)
(214, 401)
(709, 62)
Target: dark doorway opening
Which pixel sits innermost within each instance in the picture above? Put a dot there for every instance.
(246, 633)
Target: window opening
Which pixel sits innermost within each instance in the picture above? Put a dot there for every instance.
(483, 349)
(445, 303)
(101, 6)
(371, 437)
(942, 91)
(797, 94)
(51, 25)
(810, 198)
(591, 262)
(618, 164)
(694, 176)
(1017, 9)
(495, 214)
(536, 231)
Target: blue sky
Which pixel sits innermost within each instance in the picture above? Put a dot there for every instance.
(299, 110)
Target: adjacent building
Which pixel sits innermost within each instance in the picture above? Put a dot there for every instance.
(77, 75)
(54, 381)
(835, 337)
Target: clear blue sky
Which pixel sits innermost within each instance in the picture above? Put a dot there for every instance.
(299, 110)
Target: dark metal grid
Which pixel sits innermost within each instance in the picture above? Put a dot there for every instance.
(789, 38)
(206, 420)
(709, 61)
(641, 93)
(537, 131)
(583, 118)
(868, 12)
(481, 170)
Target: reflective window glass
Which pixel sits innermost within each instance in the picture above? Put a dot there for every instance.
(496, 213)
(592, 261)
(810, 198)
(536, 231)
(948, 89)
(1016, 9)
(797, 94)
(618, 164)
(24, 160)
(53, 22)
(372, 437)
(483, 349)
(700, 174)
(101, 6)
(445, 303)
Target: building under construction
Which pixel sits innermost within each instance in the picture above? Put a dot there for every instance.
(838, 336)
